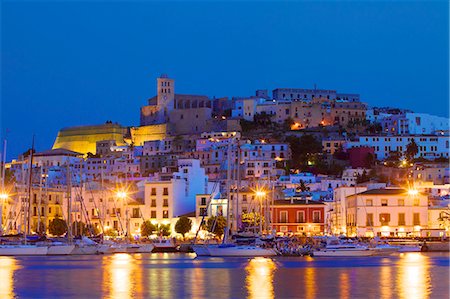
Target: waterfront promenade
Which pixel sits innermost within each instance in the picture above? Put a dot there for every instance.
(176, 275)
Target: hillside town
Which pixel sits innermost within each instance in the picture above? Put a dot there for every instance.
(294, 162)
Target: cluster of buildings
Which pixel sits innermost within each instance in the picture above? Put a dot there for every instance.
(190, 157)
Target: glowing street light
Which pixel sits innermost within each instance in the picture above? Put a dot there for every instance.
(413, 192)
(121, 194)
(260, 193)
(3, 196)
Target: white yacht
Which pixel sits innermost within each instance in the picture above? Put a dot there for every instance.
(228, 250)
(59, 248)
(145, 248)
(344, 250)
(18, 250)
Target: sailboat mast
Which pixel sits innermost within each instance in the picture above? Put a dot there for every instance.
(30, 181)
(69, 205)
(3, 165)
(228, 185)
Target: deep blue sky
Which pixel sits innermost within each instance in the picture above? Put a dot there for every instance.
(76, 62)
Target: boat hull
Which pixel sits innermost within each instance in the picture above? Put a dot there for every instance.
(240, 251)
(60, 249)
(19, 250)
(145, 248)
(85, 250)
(343, 253)
(201, 250)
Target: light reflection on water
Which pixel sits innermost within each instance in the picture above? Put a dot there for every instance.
(259, 279)
(8, 266)
(409, 275)
(413, 278)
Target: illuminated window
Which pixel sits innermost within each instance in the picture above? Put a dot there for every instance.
(401, 202)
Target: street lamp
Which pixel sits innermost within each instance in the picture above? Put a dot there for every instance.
(260, 194)
(3, 197)
(413, 192)
(123, 196)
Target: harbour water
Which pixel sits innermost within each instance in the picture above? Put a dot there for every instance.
(163, 275)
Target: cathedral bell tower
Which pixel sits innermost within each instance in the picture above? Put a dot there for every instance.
(165, 97)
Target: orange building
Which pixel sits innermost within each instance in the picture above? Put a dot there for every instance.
(298, 216)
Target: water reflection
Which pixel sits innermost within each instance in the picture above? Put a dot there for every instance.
(344, 282)
(413, 276)
(7, 268)
(121, 278)
(386, 281)
(259, 279)
(310, 282)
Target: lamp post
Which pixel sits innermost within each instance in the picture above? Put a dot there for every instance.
(123, 196)
(260, 195)
(3, 198)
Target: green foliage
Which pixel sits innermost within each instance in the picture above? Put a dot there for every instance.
(362, 178)
(164, 230)
(304, 149)
(302, 186)
(92, 230)
(218, 227)
(288, 122)
(183, 225)
(111, 232)
(411, 150)
(40, 228)
(369, 160)
(57, 227)
(251, 219)
(147, 228)
(78, 228)
(262, 119)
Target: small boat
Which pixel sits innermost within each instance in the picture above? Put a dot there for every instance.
(164, 245)
(19, 250)
(230, 250)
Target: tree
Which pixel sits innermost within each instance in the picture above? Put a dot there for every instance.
(287, 124)
(111, 232)
(305, 148)
(369, 160)
(164, 230)
(251, 219)
(40, 229)
(78, 228)
(147, 228)
(183, 225)
(57, 227)
(302, 186)
(362, 178)
(216, 225)
(411, 150)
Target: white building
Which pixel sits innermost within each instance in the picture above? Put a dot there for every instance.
(414, 124)
(430, 146)
(386, 212)
(166, 199)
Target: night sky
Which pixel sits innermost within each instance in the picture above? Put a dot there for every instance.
(79, 62)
